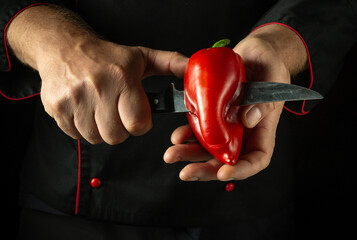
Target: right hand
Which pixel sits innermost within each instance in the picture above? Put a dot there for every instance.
(93, 90)
(91, 87)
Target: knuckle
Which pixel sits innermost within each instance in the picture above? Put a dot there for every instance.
(95, 81)
(176, 54)
(61, 102)
(138, 127)
(92, 82)
(268, 107)
(122, 77)
(58, 107)
(271, 106)
(116, 139)
(119, 71)
(52, 105)
(75, 92)
(92, 136)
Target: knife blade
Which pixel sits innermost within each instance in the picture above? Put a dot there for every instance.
(172, 101)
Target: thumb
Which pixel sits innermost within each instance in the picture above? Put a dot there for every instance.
(164, 62)
(253, 114)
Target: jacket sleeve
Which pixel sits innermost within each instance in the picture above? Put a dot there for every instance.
(27, 81)
(328, 28)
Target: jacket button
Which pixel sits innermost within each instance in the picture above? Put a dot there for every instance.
(95, 182)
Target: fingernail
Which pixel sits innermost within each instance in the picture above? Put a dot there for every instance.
(253, 116)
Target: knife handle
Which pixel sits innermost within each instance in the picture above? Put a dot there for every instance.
(161, 102)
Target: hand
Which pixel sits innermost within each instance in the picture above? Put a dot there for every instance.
(263, 63)
(95, 90)
(91, 87)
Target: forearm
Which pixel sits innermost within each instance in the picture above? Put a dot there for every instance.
(41, 30)
(284, 41)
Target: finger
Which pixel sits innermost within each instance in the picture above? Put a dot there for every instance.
(183, 134)
(134, 110)
(253, 114)
(62, 113)
(247, 166)
(66, 124)
(259, 150)
(205, 171)
(109, 123)
(85, 124)
(164, 62)
(192, 152)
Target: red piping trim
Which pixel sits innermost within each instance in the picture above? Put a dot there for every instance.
(79, 177)
(8, 55)
(303, 112)
(7, 25)
(36, 94)
(18, 99)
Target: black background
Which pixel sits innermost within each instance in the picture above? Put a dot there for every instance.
(325, 142)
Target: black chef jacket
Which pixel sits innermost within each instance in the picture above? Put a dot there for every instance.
(137, 187)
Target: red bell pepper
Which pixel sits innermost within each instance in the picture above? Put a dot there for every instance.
(212, 83)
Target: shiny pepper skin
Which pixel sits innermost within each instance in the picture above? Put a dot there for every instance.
(212, 83)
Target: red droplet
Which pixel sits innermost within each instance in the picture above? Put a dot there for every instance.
(229, 187)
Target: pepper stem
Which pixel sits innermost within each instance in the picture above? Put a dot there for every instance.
(221, 43)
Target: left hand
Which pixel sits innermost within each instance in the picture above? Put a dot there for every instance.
(263, 62)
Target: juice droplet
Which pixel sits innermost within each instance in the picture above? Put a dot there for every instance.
(229, 187)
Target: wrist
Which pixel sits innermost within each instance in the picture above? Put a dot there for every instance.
(43, 31)
(286, 43)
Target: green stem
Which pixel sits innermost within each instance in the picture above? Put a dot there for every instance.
(221, 43)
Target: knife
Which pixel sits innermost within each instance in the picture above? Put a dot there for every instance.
(172, 101)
